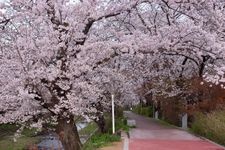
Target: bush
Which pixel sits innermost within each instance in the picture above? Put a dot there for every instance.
(6, 137)
(119, 111)
(7, 129)
(100, 140)
(10, 129)
(211, 126)
(120, 124)
(145, 111)
(137, 109)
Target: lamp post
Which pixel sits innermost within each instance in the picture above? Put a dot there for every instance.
(110, 88)
(113, 115)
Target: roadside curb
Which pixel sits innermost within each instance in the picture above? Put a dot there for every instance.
(205, 139)
(125, 138)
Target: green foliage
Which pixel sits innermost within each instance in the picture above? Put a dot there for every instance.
(6, 137)
(120, 124)
(119, 112)
(104, 139)
(29, 132)
(22, 142)
(137, 109)
(100, 140)
(211, 126)
(7, 129)
(10, 129)
(145, 111)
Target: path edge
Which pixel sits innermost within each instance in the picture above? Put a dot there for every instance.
(192, 133)
(125, 141)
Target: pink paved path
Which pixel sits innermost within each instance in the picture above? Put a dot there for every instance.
(149, 134)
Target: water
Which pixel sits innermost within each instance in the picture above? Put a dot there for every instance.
(52, 142)
(81, 125)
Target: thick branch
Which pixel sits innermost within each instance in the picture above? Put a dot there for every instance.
(5, 21)
(91, 21)
(183, 63)
(178, 54)
(143, 21)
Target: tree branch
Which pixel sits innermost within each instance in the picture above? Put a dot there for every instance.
(177, 54)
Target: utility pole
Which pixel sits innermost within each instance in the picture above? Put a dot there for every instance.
(113, 115)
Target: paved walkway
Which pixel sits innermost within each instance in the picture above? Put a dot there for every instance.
(149, 134)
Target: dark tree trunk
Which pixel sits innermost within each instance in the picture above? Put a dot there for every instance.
(68, 134)
(183, 63)
(148, 98)
(100, 120)
(202, 65)
(101, 124)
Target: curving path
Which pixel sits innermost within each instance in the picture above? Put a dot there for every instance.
(149, 134)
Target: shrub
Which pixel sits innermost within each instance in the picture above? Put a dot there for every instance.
(211, 125)
(145, 111)
(100, 140)
(120, 124)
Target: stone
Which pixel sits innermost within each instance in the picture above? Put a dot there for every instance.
(131, 123)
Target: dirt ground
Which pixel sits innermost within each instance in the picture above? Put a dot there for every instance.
(114, 146)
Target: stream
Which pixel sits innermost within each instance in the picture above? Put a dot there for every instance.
(52, 142)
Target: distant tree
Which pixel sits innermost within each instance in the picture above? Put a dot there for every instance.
(48, 49)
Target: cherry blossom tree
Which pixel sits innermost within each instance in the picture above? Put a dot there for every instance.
(57, 56)
(48, 48)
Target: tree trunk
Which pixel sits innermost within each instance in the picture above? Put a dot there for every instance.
(100, 120)
(101, 123)
(68, 134)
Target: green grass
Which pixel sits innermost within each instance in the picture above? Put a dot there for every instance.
(120, 124)
(22, 142)
(211, 126)
(6, 137)
(7, 129)
(10, 129)
(100, 140)
(29, 132)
